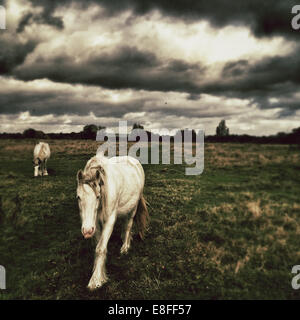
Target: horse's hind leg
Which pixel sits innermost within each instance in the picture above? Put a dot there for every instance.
(127, 233)
(41, 168)
(98, 232)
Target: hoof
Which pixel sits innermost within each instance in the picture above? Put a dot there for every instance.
(124, 249)
(92, 286)
(95, 283)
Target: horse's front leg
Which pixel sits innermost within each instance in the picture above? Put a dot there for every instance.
(99, 276)
(45, 172)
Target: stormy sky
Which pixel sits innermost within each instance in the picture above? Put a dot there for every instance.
(165, 64)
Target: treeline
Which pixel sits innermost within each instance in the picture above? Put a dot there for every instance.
(90, 132)
(280, 138)
(41, 135)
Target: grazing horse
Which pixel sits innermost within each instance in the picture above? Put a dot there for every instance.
(41, 154)
(107, 188)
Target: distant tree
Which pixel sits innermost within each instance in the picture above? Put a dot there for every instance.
(281, 134)
(296, 131)
(137, 126)
(90, 131)
(222, 130)
(296, 136)
(31, 133)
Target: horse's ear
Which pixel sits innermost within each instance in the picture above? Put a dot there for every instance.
(79, 176)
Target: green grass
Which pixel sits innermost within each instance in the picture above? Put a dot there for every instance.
(231, 233)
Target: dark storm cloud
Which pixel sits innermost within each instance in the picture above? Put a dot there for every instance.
(43, 18)
(127, 67)
(13, 53)
(266, 75)
(275, 77)
(236, 68)
(266, 18)
(62, 102)
(40, 103)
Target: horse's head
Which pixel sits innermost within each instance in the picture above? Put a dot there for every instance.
(89, 200)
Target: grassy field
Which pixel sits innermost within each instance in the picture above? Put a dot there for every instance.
(231, 233)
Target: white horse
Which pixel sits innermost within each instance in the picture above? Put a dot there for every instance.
(107, 188)
(41, 154)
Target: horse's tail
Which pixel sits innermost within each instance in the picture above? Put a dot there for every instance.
(142, 217)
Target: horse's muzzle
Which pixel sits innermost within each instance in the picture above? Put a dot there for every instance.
(88, 233)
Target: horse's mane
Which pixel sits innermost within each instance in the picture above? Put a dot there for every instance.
(90, 179)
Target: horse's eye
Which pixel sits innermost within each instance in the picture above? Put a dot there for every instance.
(78, 198)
